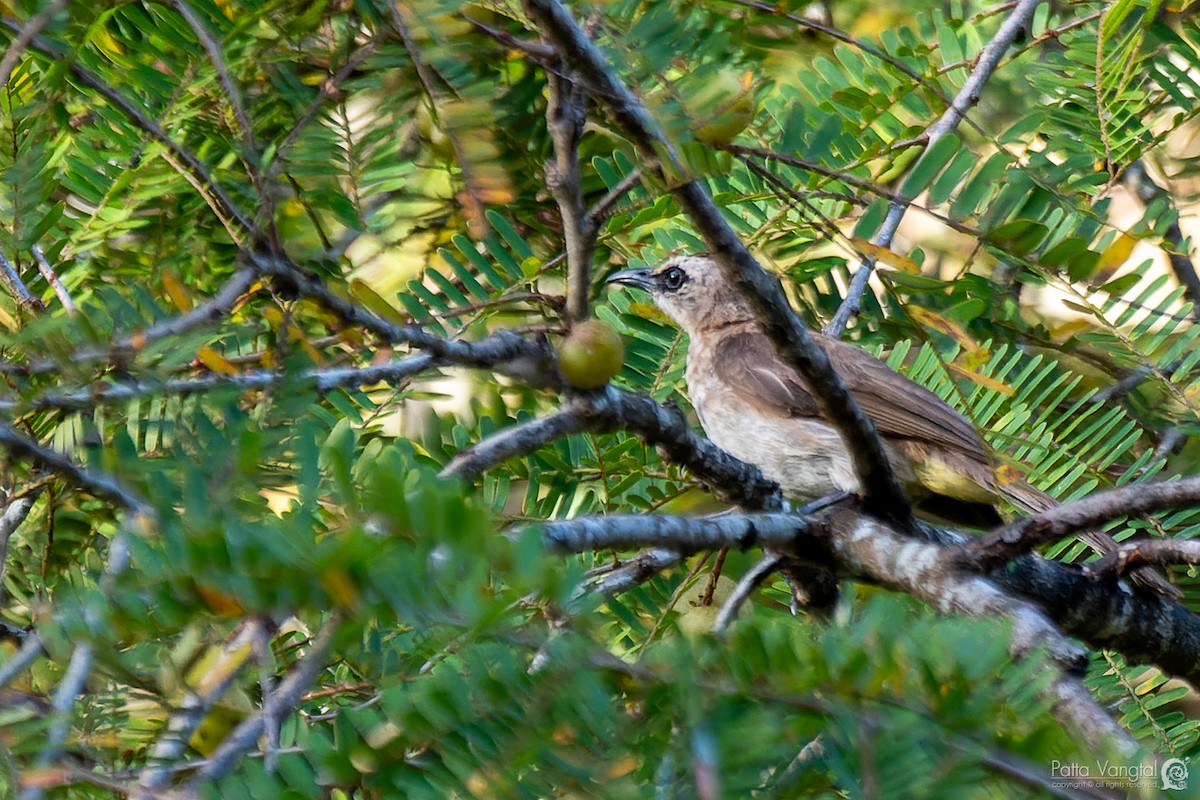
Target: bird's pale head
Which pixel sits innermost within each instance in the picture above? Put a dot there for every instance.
(691, 290)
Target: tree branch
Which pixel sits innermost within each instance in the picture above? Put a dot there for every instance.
(610, 410)
(195, 705)
(882, 492)
(1132, 554)
(566, 113)
(323, 380)
(281, 701)
(505, 352)
(1092, 511)
(11, 278)
(102, 486)
(985, 64)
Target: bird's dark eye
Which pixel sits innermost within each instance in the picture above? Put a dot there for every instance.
(674, 278)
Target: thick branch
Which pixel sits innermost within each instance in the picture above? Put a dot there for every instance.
(883, 493)
(610, 410)
(985, 64)
(868, 550)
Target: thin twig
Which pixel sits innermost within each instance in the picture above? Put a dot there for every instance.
(323, 381)
(213, 48)
(11, 278)
(282, 701)
(985, 64)
(750, 581)
(47, 270)
(1090, 512)
(566, 113)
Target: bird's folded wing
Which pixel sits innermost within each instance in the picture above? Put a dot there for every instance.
(900, 408)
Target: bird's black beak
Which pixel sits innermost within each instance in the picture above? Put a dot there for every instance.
(641, 278)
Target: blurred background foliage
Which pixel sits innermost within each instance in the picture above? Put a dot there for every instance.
(148, 150)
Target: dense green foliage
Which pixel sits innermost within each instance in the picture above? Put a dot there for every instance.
(151, 150)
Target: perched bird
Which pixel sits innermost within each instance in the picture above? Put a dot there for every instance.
(760, 409)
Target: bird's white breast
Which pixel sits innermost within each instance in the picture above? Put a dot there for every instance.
(804, 455)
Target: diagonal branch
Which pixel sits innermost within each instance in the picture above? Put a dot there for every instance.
(1092, 511)
(985, 64)
(285, 698)
(883, 494)
(611, 410)
(141, 120)
(872, 551)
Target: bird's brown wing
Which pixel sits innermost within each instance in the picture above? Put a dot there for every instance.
(900, 408)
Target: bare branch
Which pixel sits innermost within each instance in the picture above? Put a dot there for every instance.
(103, 486)
(685, 535)
(610, 410)
(985, 64)
(11, 278)
(518, 440)
(1132, 554)
(1092, 511)
(14, 514)
(632, 572)
(195, 705)
(282, 701)
(323, 380)
(883, 494)
(762, 569)
(566, 113)
(70, 686)
(21, 660)
(504, 352)
(52, 278)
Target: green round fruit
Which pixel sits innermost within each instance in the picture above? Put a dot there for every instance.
(591, 355)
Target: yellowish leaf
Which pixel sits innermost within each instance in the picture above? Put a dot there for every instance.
(176, 291)
(886, 256)
(935, 321)
(1113, 257)
(215, 361)
(982, 380)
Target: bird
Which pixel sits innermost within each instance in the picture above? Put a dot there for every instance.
(760, 409)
